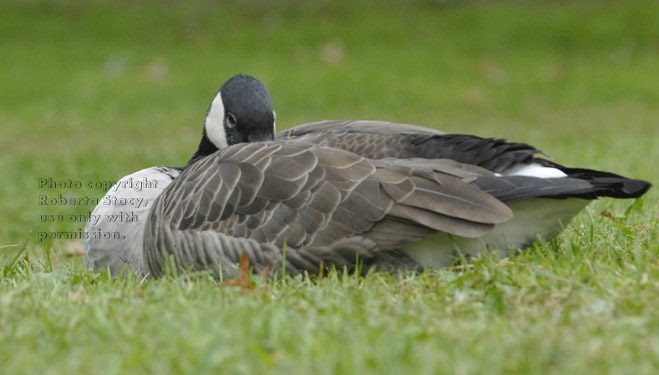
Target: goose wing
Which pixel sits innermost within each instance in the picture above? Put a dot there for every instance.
(324, 205)
(377, 140)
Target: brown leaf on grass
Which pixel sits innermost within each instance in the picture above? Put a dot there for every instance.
(80, 293)
(264, 275)
(608, 215)
(139, 293)
(244, 280)
(73, 249)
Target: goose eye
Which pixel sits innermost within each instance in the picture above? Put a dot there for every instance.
(231, 121)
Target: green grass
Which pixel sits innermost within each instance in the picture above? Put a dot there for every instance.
(92, 92)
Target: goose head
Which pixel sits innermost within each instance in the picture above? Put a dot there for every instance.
(241, 111)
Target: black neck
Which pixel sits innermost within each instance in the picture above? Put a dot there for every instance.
(206, 147)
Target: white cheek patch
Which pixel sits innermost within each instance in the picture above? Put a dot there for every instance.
(537, 170)
(214, 123)
(274, 122)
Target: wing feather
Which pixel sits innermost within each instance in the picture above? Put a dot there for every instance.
(324, 204)
(377, 140)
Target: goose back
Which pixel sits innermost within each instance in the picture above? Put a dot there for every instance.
(379, 139)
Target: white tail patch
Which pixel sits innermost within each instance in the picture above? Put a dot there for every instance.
(537, 170)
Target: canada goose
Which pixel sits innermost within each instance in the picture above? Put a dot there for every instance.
(240, 112)
(335, 192)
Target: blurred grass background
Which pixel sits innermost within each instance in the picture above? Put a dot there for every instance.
(94, 90)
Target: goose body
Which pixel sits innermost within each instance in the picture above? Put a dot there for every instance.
(393, 196)
(337, 191)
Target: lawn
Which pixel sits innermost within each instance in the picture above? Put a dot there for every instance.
(92, 91)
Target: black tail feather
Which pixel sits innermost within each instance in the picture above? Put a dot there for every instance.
(580, 183)
(609, 184)
(515, 188)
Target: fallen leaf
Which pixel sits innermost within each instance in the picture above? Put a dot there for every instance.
(244, 279)
(607, 214)
(264, 275)
(80, 293)
(73, 249)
